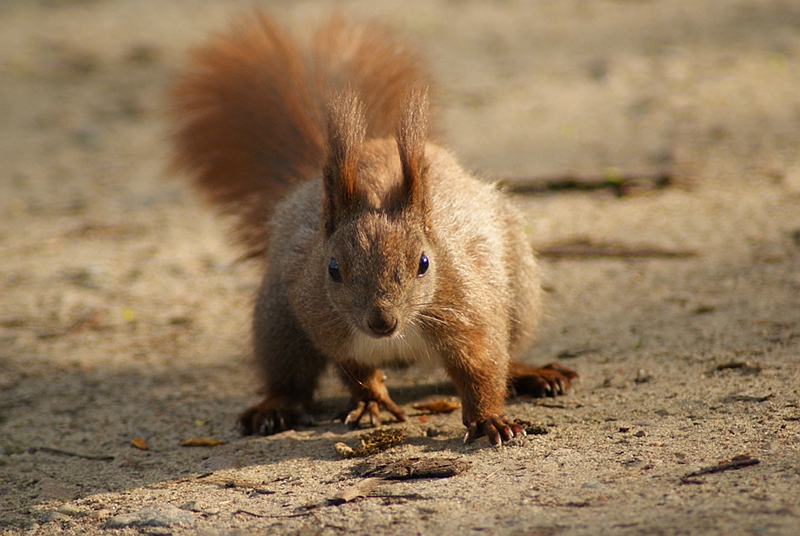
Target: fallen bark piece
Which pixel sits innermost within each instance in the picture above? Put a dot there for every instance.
(411, 468)
(737, 462)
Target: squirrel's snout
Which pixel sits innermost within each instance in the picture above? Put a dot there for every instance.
(382, 324)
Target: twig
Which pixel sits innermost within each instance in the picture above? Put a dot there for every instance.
(619, 184)
(747, 398)
(51, 450)
(588, 249)
(409, 496)
(743, 365)
(569, 354)
(271, 516)
(737, 462)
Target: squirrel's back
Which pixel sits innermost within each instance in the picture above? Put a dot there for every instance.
(250, 111)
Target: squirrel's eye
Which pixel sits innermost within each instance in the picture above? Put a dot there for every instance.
(333, 270)
(423, 265)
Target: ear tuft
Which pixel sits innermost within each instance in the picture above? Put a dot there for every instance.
(411, 136)
(347, 127)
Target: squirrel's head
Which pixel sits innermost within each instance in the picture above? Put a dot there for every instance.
(380, 257)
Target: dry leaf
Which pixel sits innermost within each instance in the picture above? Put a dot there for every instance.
(201, 442)
(140, 443)
(372, 443)
(440, 406)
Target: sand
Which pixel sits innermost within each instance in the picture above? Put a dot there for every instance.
(124, 316)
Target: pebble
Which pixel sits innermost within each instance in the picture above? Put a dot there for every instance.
(100, 514)
(52, 517)
(70, 510)
(190, 506)
(157, 515)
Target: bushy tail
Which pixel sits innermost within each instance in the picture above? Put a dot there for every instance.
(250, 111)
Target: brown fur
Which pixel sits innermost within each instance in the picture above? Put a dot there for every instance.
(249, 112)
(380, 249)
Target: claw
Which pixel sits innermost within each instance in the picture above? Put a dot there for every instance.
(265, 428)
(496, 428)
(550, 380)
(472, 433)
(354, 416)
(271, 417)
(369, 395)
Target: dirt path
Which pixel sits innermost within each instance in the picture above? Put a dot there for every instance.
(123, 315)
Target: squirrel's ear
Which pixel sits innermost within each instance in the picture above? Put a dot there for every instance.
(347, 127)
(411, 133)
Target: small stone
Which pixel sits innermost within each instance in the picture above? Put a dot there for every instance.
(70, 510)
(52, 517)
(102, 513)
(158, 515)
(190, 506)
(641, 433)
(642, 376)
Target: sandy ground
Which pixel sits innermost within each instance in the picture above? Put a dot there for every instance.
(123, 314)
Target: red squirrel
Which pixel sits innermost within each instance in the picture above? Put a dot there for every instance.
(379, 247)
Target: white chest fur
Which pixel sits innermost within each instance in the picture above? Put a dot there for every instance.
(410, 346)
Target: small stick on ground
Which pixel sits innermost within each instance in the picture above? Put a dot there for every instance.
(587, 249)
(620, 184)
(51, 450)
(737, 462)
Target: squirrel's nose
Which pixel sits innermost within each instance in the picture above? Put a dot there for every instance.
(382, 325)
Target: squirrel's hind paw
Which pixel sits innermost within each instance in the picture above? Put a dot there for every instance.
(267, 419)
(550, 380)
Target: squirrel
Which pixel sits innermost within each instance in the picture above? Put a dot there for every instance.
(379, 247)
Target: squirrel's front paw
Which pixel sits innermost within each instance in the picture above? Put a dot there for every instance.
(368, 395)
(371, 408)
(550, 380)
(267, 418)
(496, 427)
